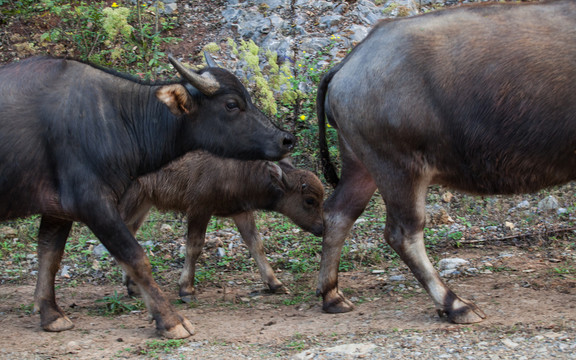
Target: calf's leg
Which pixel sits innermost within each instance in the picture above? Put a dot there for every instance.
(51, 242)
(197, 224)
(134, 209)
(348, 201)
(247, 227)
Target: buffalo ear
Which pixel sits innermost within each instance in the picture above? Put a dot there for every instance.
(176, 97)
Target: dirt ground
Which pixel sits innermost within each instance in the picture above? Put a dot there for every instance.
(527, 293)
(527, 290)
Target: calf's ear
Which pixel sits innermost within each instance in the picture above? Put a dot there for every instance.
(278, 177)
(176, 97)
(286, 163)
(275, 171)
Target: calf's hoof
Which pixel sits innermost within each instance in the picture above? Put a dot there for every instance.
(336, 303)
(187, 294)
(463, 312)
(180, 331)
(60, 324)
(132, 289)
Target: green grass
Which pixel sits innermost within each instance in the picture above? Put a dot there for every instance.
(115, 305)
(154, 349)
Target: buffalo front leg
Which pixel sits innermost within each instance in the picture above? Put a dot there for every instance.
(116, 237)
(247, 227)
(197, 225)
(344, 206)
(51, 242)
(405, 204)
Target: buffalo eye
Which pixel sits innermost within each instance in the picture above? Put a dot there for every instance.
(310, 201)
(231, 105)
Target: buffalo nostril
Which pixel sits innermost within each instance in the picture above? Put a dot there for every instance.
(289, 141)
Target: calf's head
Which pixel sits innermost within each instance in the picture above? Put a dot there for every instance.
(302, 196)
(220, 116)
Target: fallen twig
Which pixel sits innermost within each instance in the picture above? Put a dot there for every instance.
(518, 236)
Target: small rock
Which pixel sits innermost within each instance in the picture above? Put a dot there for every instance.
(451, 263)
(221, 252)
(523, 205)
(449, 272)
(8, 232)
(509, 343)
(65, 272)
(213, 242)
(166, 228)
(100, 251)
(548, 204)
(397, 278)
(73, 347)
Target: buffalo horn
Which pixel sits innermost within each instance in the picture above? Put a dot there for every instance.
(210, 60)
(205, 83)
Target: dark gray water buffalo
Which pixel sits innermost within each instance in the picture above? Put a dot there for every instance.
(481, 99)
(74, 136)
(202, 185)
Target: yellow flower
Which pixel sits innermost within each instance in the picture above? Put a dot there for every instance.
(328, 125)
(114, 5)
(311, 69)
(302, 117)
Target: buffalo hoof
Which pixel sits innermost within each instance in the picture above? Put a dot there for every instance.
(188, 299)
(60, 324)
(464, 312)
(336, 303)
(281, 289)
(180, 331)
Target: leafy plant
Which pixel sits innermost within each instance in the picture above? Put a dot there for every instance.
(156, 347)
(115, 306)
(127, 37)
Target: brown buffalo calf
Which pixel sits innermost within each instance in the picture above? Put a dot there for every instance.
(201, 185)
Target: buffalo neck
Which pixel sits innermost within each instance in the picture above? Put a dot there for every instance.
(154, 132)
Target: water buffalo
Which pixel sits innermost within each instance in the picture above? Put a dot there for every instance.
(201, 185)
(481, 99)
(73, 136)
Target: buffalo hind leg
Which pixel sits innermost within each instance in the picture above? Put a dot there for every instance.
(51, 242)
(405, 198)
(197, 225)
(344, 206)
(116, 237)
(247, 227)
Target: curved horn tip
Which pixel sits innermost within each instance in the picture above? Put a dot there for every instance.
(209, 60)
(205, 83)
